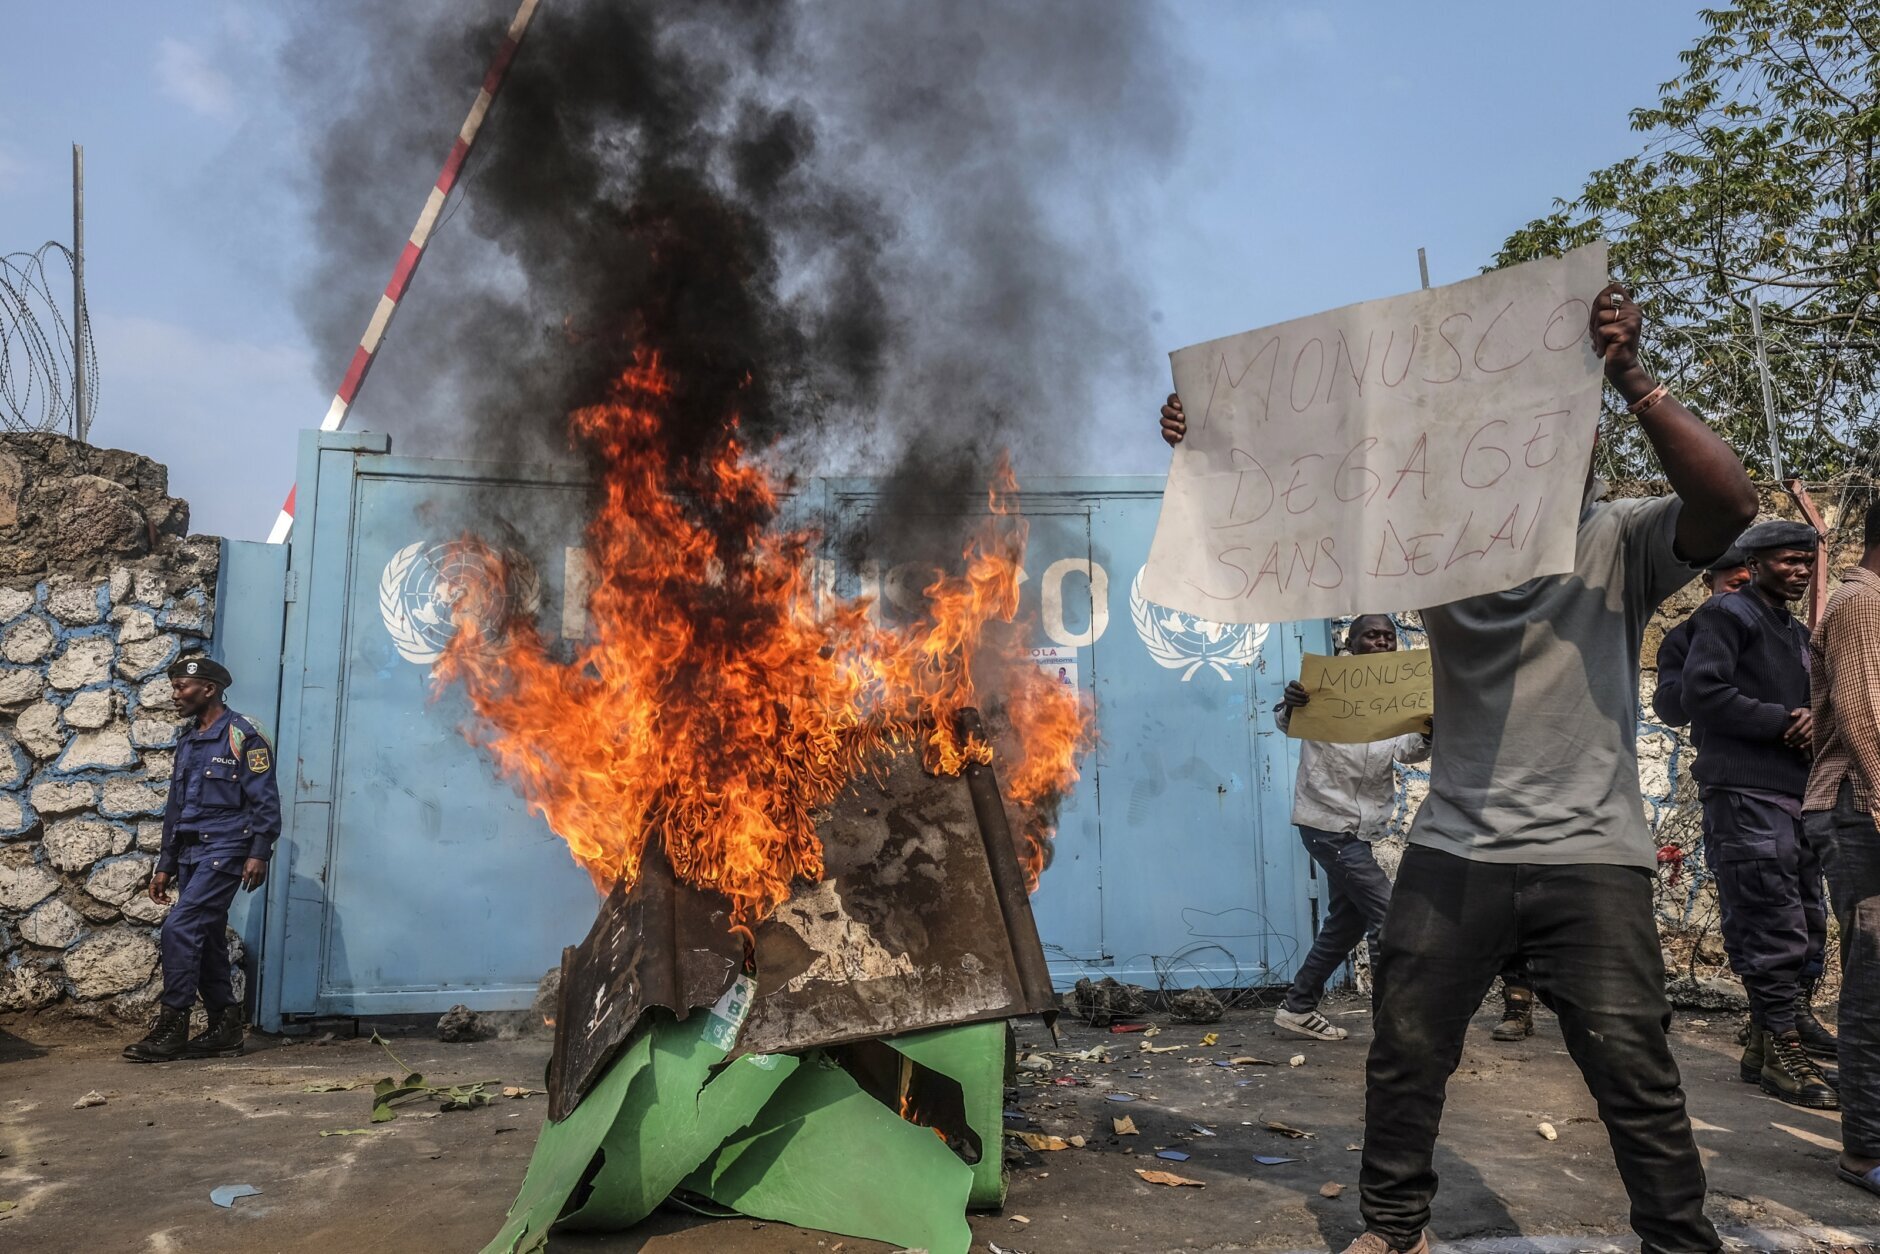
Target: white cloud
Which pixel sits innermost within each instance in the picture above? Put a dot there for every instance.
(186, 76)
(223, 415)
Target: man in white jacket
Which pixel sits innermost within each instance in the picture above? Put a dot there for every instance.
(1343, 796)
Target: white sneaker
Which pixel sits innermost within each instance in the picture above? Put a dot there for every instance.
(1311, 1023)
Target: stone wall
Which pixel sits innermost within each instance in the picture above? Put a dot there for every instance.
(101, 588)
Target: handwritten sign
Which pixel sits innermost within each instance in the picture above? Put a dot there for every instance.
(1395, 454)
(1360, 698)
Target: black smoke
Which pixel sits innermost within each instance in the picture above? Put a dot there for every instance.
(892, 236)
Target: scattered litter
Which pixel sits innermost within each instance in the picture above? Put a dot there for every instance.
(1124, 1126)
(350, 1132)
(1042, 1140)
(1198, 1130)
(338, 1086)
(1129, 1027)
(1137, 1075)
(1020, 1219)
(7, 1206)
(224, 1195)
(1196, 1005)
(996, 1248)
(1331, 1188)
(1016, 1114)
(1547, 1130)
(93, 1098)
(1248, 1060)
(1355, 1148)
(1169, 1178)
(1152, 1030)
(1286, 1129)
(1068, 1081)
(1270, 1160)
(1297, 1060)
(1147, 1048)
(518, 1092)
(1096, 1053)
(1077, 1142)
(1241, 1084)
(1122, 1097)
(1211, 1038)
(1174, 1156)
(1033, 1064)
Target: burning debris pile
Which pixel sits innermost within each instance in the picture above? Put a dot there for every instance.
(710, 246)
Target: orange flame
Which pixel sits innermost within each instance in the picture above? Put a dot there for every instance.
(712, 708)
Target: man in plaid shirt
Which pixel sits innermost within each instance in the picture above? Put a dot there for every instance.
(1839, 810)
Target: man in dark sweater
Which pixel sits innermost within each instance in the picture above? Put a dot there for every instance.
(1727, 574)
(1746, 689)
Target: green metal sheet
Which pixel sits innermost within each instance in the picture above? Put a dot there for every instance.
(974, 1054)
(826, 1155)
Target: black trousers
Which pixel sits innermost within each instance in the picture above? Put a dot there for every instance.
(1850, 843)
(1587, 936)
(1769, 896)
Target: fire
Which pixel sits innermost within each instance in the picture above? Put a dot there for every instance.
(714, 706)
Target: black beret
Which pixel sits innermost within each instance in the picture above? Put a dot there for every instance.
(1734, 558)
(201, 668)
(1778, 533)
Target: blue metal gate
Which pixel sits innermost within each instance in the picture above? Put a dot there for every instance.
(410, 878)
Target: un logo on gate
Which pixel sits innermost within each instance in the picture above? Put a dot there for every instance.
(1183, 642)
(427, 590)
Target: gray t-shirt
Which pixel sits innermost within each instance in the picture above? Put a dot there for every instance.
(1536, 746)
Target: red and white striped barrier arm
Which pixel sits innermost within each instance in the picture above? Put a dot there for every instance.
(414, 248)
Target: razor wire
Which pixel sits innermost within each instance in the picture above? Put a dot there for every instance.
(38, 364)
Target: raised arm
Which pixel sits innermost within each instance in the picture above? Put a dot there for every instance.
(1704, 471)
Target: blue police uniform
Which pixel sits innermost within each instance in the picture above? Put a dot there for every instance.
(1746, 670)
(224, 809)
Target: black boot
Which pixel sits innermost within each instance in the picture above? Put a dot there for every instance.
(1517, 1015)
(221, 1039)
(1816, 1038)
(166, 1041)
(1750, 1066)
(1790, 1074)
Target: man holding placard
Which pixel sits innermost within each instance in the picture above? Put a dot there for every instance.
(1342, 797)
(1532, 843)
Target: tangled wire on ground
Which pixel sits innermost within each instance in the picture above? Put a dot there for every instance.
(38, 368)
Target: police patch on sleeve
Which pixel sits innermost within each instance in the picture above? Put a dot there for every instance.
(258, 760)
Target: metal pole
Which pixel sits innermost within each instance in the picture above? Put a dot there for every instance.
(1423, 267)
(81, 417)
(1768, 389)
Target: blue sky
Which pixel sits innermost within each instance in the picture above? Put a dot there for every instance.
(1325, 144)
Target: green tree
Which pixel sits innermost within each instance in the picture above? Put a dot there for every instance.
(1757, 176)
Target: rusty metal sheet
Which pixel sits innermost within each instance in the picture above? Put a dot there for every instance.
(921, 921)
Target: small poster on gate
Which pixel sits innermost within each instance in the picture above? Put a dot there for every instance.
(1057, 661)
(1358, 698)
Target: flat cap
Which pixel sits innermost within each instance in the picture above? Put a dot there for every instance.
(201, 668)
(1734, 558)
(1778, 533)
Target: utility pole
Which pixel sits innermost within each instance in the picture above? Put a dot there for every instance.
(81, 420)
(1768, 389)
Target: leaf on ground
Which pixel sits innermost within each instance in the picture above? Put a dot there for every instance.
(1169, 1178)
(1124, 1126)
(518, 1092)
(337, 1086)
(1286, 1129)
(1210, 1038)
(1331, 1188)
(7, 1206)
(1043, 1141)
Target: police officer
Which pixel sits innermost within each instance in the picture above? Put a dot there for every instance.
(1746, 689)
(219, 829)
(1727, 574)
